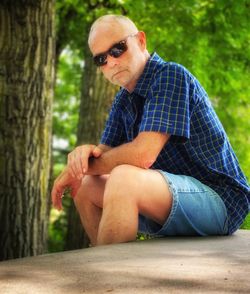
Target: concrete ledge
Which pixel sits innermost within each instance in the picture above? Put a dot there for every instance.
(171, 265)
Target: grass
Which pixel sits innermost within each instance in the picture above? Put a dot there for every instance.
(246, 224)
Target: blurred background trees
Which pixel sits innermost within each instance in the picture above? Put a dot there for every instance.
(211, 38)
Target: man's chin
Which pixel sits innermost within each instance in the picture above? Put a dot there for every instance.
(118, 82)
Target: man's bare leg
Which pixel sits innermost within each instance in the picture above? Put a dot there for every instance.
(119, 222)
(89, 202)
(128, 192)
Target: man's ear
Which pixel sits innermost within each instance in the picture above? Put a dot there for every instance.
(142, 39)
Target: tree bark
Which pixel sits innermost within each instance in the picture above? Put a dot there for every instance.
(26, 90)
(96, 97)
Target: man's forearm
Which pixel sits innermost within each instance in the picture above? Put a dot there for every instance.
(124, 154)
(141, 152)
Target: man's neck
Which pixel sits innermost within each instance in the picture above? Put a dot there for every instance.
(132, 85)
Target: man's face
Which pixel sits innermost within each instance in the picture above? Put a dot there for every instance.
(126, 69)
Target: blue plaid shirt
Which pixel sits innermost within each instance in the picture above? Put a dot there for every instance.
(169, 99)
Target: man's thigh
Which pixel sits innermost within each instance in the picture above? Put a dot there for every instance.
(196, 210)
(147, 188)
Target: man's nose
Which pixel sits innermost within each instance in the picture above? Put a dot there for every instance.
(112, 61)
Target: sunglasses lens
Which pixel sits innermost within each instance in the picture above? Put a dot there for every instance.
(118, 49)
(100, 59)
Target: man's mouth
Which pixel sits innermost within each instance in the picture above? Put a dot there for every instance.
(117, 73)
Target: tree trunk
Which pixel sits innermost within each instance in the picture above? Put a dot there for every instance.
(96, 97)
(26, 91)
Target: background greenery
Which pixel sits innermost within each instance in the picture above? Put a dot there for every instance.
(211, 38)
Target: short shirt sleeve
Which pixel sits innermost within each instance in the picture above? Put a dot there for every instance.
(167, 107)
(114, 132)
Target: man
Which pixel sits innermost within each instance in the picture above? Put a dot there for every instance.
(164, 165)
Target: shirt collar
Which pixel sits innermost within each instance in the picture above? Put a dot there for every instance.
(145, 81)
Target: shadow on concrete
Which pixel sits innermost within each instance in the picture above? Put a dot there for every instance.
(211, 264)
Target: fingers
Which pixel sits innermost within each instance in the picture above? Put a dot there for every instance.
(61, 182)
(64, 181)
(97, 152)
(78, 160)
(74, 163)
(56, 196)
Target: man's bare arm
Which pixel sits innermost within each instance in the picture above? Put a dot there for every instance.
(141, 152)
(67, 179)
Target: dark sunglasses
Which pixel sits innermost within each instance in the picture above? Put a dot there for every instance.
(115, 51)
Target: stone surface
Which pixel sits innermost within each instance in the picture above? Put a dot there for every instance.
(170, 265)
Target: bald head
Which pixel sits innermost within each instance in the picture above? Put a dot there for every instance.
(116, 41)
(111, 24)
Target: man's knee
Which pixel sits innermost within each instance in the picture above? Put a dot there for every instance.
(122, 176)
(87, 183)
(121, 183)
(91, 189)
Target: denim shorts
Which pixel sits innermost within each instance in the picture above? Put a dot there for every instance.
(197, 210)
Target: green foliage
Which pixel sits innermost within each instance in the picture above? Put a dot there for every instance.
(65, 119)
(57, 231)
(67, 96)
(246, 224)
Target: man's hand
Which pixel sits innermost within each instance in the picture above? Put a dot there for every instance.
(62, 182)
(78, 159)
